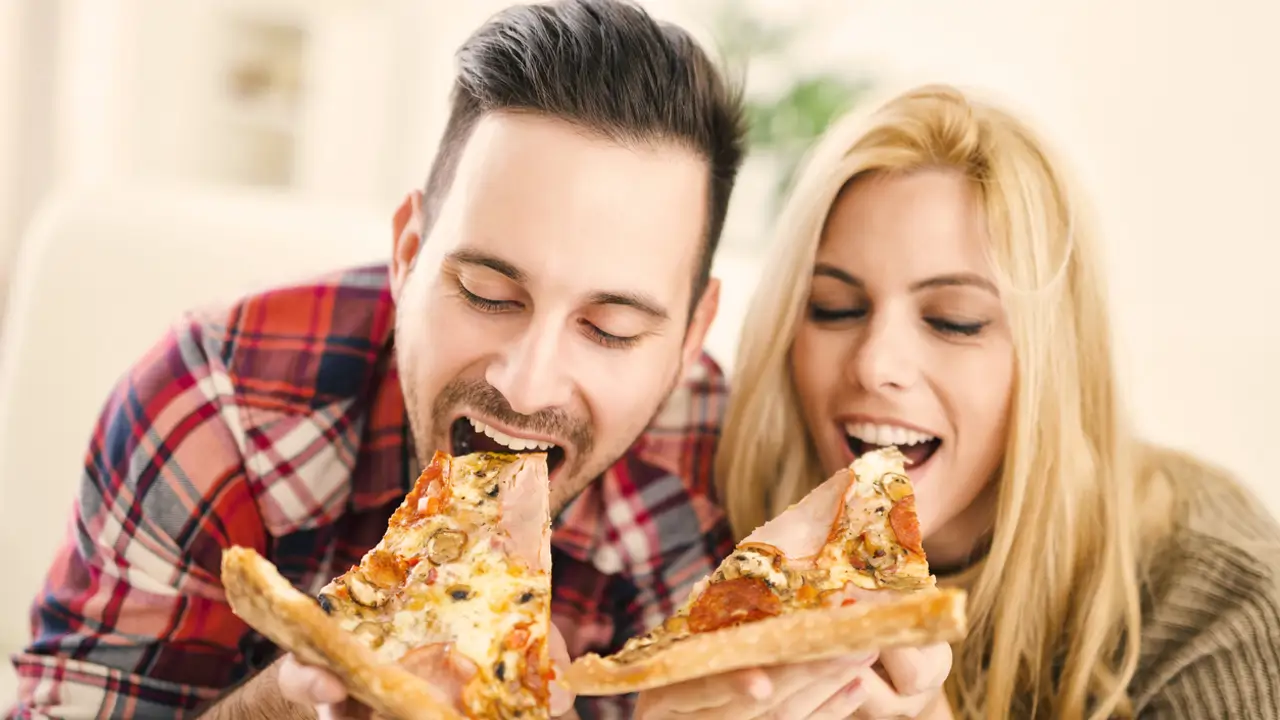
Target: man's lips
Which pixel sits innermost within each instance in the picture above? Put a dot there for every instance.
(465, 438)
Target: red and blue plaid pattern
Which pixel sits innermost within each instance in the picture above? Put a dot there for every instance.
(280, 425)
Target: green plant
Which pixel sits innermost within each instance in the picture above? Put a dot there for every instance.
(785, 122)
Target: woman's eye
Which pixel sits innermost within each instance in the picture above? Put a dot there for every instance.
(951, 327)
(821, 314)
(484, 304)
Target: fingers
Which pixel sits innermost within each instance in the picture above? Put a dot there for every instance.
(880, 700)
(307, 685)
(561, 696)
(844, 703)
(917, 671)
(788, 692)
(833, 681)
(703, 697)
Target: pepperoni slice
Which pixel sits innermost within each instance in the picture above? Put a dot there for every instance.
(537, 677)
(732, 602)
(905, 524)
(429, 485)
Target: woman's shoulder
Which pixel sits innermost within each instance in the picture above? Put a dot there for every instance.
(1208, 503)
(1211, 595)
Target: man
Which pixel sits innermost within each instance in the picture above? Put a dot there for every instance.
(550, 286)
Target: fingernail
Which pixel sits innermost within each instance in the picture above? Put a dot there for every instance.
(561, 698)
(854, 689)
(325, 691)
(760, 688)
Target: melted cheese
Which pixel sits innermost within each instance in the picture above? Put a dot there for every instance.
(470, 598)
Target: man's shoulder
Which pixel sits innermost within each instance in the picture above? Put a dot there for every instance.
(292, 347)
(658, 498)
(682, 438)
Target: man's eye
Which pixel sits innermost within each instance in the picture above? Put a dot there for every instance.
(609, 340)
(484, 304)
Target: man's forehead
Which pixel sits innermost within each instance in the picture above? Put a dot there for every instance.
(563, 206)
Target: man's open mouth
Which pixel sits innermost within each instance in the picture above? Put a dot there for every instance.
(468, 435)
(917, 447)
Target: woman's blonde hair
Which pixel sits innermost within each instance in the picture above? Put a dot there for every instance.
(1054, 608)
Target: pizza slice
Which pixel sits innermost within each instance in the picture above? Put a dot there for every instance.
(458, 590)
(804, 586)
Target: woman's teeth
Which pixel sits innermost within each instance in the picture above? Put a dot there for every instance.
(873, 434)
(508, 441)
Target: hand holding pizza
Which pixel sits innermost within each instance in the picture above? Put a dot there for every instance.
(905, 683)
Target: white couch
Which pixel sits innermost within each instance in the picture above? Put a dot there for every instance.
(99, 276)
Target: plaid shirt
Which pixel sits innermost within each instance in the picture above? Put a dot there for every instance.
(280, 425)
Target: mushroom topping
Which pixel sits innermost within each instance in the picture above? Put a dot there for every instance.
(364, 593)
(372, 632)
(445, 546)
(896, 486)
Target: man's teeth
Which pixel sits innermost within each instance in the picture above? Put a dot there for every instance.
(506, 440)
(886, 434)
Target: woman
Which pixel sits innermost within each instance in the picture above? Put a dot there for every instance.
(936, 287)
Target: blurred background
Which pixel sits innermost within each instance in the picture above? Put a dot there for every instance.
(157, 155)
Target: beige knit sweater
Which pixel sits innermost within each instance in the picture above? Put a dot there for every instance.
(1211, 627)
(1211, 604)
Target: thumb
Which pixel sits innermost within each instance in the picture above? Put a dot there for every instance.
(561, 696)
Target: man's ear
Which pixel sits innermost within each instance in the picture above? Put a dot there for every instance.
(406, 240)
(699, 324)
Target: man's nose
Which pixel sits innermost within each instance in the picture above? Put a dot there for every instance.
(530, 372)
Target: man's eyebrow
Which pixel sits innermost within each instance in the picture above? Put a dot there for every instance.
(963, 279)
(638, 301)
(483, 259)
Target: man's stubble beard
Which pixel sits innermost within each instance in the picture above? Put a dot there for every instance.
(427, 437)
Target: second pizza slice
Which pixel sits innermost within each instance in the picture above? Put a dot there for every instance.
(840, 571)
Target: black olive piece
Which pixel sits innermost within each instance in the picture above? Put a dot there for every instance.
(526, 597)
(500, 670)
(326, 604)
(459, 593)
(493, 491)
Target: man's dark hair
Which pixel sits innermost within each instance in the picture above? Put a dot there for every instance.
(609, 68)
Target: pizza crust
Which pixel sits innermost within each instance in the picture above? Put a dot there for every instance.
(260, 596)
(922, 618)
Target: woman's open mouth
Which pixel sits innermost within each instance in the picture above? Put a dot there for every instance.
(468, 435)
(916, 446)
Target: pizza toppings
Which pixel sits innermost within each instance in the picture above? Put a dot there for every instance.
(732, 602)
(905, 524)
(445, 546)
(364, 593)
(855, 535)
(459, 587)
